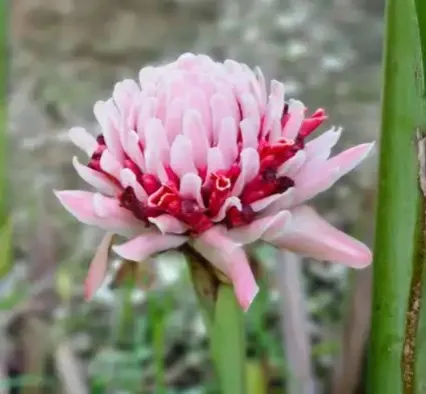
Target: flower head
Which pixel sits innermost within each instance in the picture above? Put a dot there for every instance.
(200, 153)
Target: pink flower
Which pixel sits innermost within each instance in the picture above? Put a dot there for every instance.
(200, 153)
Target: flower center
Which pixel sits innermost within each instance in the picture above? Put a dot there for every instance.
(166, 199)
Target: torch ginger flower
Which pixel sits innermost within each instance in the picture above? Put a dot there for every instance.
(199, 153)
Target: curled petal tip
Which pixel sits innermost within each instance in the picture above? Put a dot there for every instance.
(370, 149)
(249, 295)
(246, 289)
(88, 291)
(364, 259)
(98, 267)
(57, 194)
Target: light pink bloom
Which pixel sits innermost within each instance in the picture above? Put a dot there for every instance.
(200, 152)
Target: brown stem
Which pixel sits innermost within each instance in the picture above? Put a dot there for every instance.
(414, 302)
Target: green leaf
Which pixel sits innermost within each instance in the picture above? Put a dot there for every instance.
(228, 342)
(399, 198)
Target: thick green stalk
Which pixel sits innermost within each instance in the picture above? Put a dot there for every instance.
(420, 368)
(421, 23)
(228, 342)
(399, 197)
(224, 321)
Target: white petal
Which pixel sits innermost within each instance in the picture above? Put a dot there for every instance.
(95, 178)
(296, 111)
(128, 178)
(81, 138)
(266, 228)
(250, 164)
(181, 157)
(228, 203)
(190, 188)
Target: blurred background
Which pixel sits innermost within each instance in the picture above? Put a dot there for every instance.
(308, 329)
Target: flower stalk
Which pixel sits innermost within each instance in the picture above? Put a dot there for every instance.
(420, 367)
(224, 321)
(228, 343)
(399, 208)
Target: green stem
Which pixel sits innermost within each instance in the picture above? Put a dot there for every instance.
(421, 23)
(399, 197)
(420, 381)
(224, 320)
(420, 367)
(228, 342)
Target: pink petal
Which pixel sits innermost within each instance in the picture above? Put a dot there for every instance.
(98, 267)
(215, 161)
(274, 203)
(249, 133)
(110, 165)
(296, 111)
(102, 111)
(79, 204)
(146, 113)
(262, 87)
(156, 140)
(227, 144)
(155, 166)
(274, 108)
(277, 95)
(250, 164)
(113, 217)
(318, 175)
(134, 151)
(220, 110)
(310, 235)
(322, 145)
(250, 110)
(228, 203)
(350, 158)
(194, 129)
(264, 228)
(173, 121)
(123, 94)
(143, 246)
(228, 257)
(285, 201)
(97, 210)
(128, 178)
(181, 157)
(106, 113)
(190, 188)
(95, 178)
(169, 224)
(148, 74)
(196, 101)
(275, 132)
(81, 138)
(187, 60)
(292, 166)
